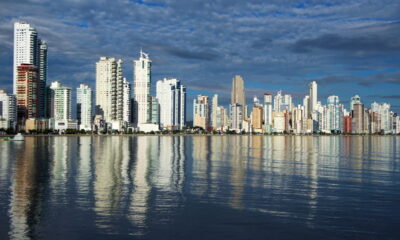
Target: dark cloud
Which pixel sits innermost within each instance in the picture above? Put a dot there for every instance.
(357, 45)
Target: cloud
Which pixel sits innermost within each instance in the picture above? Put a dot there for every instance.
(273, 45)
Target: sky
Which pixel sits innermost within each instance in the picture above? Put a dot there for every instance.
(348, 47)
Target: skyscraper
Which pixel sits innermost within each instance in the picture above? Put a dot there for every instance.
(60, 101)
(238, 95)
(84, 107)
(142, 84)
(355, 99)
(42, 67)
(110, 89)
(268, 112)
(357, 125)
(126, 101)
(27, 92)
(201, 112)
(171, 97)
(8, 110)
(334, 114)
(313, 97)
(214, 111)
(29, 49)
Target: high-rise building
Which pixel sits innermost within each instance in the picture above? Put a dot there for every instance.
(155, 111)
(142, 84)
(171, 97)
(335, 114)
(306, 105)
(84, 107)
(313, 96)
(238, 95)
(268, 112)
(381, 117)
(110, 89)
(60, 101)
(237, 117)
(8, 110)
(282, 102)
(357, 124)
(201, 112)
(126, 101)
(29, 49)
(257, 118)
(355, 99)
(42, 60)
(27, 92)
(214, 111)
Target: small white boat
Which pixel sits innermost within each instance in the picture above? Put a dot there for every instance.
(18, 137)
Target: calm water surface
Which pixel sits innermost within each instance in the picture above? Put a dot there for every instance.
(200, 187)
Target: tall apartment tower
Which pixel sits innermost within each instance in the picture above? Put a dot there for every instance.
(8, 110)
(60, 101)
(238, 93)
(357, 125)
(109, 89)
(355, 99)
(313, 97)
(29, 49)
(126, 99)
(84, 111)
(142, 84)
(201, 112)
(214, 111)
(27, 92)
(267, 112)
(171, 97)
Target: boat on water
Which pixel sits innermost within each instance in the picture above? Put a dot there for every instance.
(18, 137)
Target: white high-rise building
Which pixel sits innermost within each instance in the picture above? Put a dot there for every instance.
(60, 101)
(313, 96)
(84, 107)
(142, 84)
(335, 114)
(25, 47)
(237, 117)
(110, 89)
(8, 110)
(171, 97)
(282, 102)
(268, 112)
(29, 49)
(214, 109)
(126, 115)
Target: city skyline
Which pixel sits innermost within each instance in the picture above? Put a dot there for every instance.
(356, 54)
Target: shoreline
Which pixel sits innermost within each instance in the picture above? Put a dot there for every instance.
(188, 134)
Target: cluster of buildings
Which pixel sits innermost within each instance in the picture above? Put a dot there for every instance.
(34, 105)
(278, 114)
(116, 104)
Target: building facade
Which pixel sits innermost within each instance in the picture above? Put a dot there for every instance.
(171, 97)
(142, 84)
(84, 98)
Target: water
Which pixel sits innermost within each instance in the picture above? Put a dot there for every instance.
(200, 187)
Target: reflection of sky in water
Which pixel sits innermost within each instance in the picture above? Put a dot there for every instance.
(149, 185)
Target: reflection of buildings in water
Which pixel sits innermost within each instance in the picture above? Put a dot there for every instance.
(26, 193)
(138, 208)
(256, 160)
(237, 180)
(108, 182)
(59, 168)
(329, 155)
(200, 165)
(5, 163)
(312, 147)
(84, 172)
